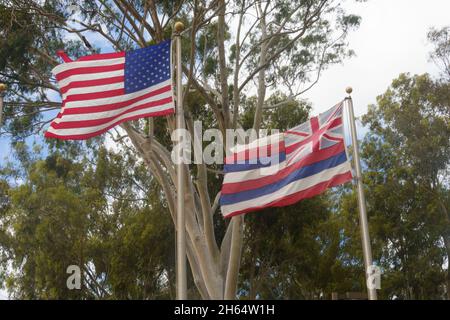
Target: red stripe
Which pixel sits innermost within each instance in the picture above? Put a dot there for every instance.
(93, 134)
(95, 95)
(117, 105)
(301, 195)
(263, 151)
(98, 122)
(86, 70)
(63, 56)
(101, 56)
(320, 155)
(92, 83)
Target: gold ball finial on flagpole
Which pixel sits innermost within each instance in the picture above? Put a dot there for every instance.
(2, 87)
(349, 90)
(179, 26)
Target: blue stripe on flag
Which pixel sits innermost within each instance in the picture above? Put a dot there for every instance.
(301, 173)
(252, 164)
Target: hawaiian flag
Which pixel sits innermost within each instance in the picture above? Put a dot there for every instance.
(101, 91)
(301, 163)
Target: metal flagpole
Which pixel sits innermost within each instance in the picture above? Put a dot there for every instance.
(2, 89)
(181, 224)
(367, 250)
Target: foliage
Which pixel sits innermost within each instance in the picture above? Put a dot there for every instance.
(407, 157)
(94, 215)
(246, 65)
(440, 38)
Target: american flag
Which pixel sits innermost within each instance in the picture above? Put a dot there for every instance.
(304, 162)
(101, 91)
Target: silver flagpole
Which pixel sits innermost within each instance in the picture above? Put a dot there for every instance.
(181, 224)
(2, 89)
(365, 238)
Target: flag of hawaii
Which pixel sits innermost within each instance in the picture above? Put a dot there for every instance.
(302, 163)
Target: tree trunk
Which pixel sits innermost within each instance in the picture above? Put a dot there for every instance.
(262, 72)
(215, 272)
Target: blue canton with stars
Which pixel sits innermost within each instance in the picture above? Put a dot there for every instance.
(147, 66)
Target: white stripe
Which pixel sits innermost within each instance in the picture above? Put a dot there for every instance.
(109, 113)
(289, 189)
(87, 130)
(116, 99)
(85, 64)
(90, 76)
(261, 142)
(92, 89)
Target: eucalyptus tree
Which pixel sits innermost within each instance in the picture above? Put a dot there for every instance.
(103, 216)
(407, 153)
(440, 39)
(231, 49)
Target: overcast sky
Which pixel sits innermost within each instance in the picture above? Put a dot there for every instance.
(391, 40)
